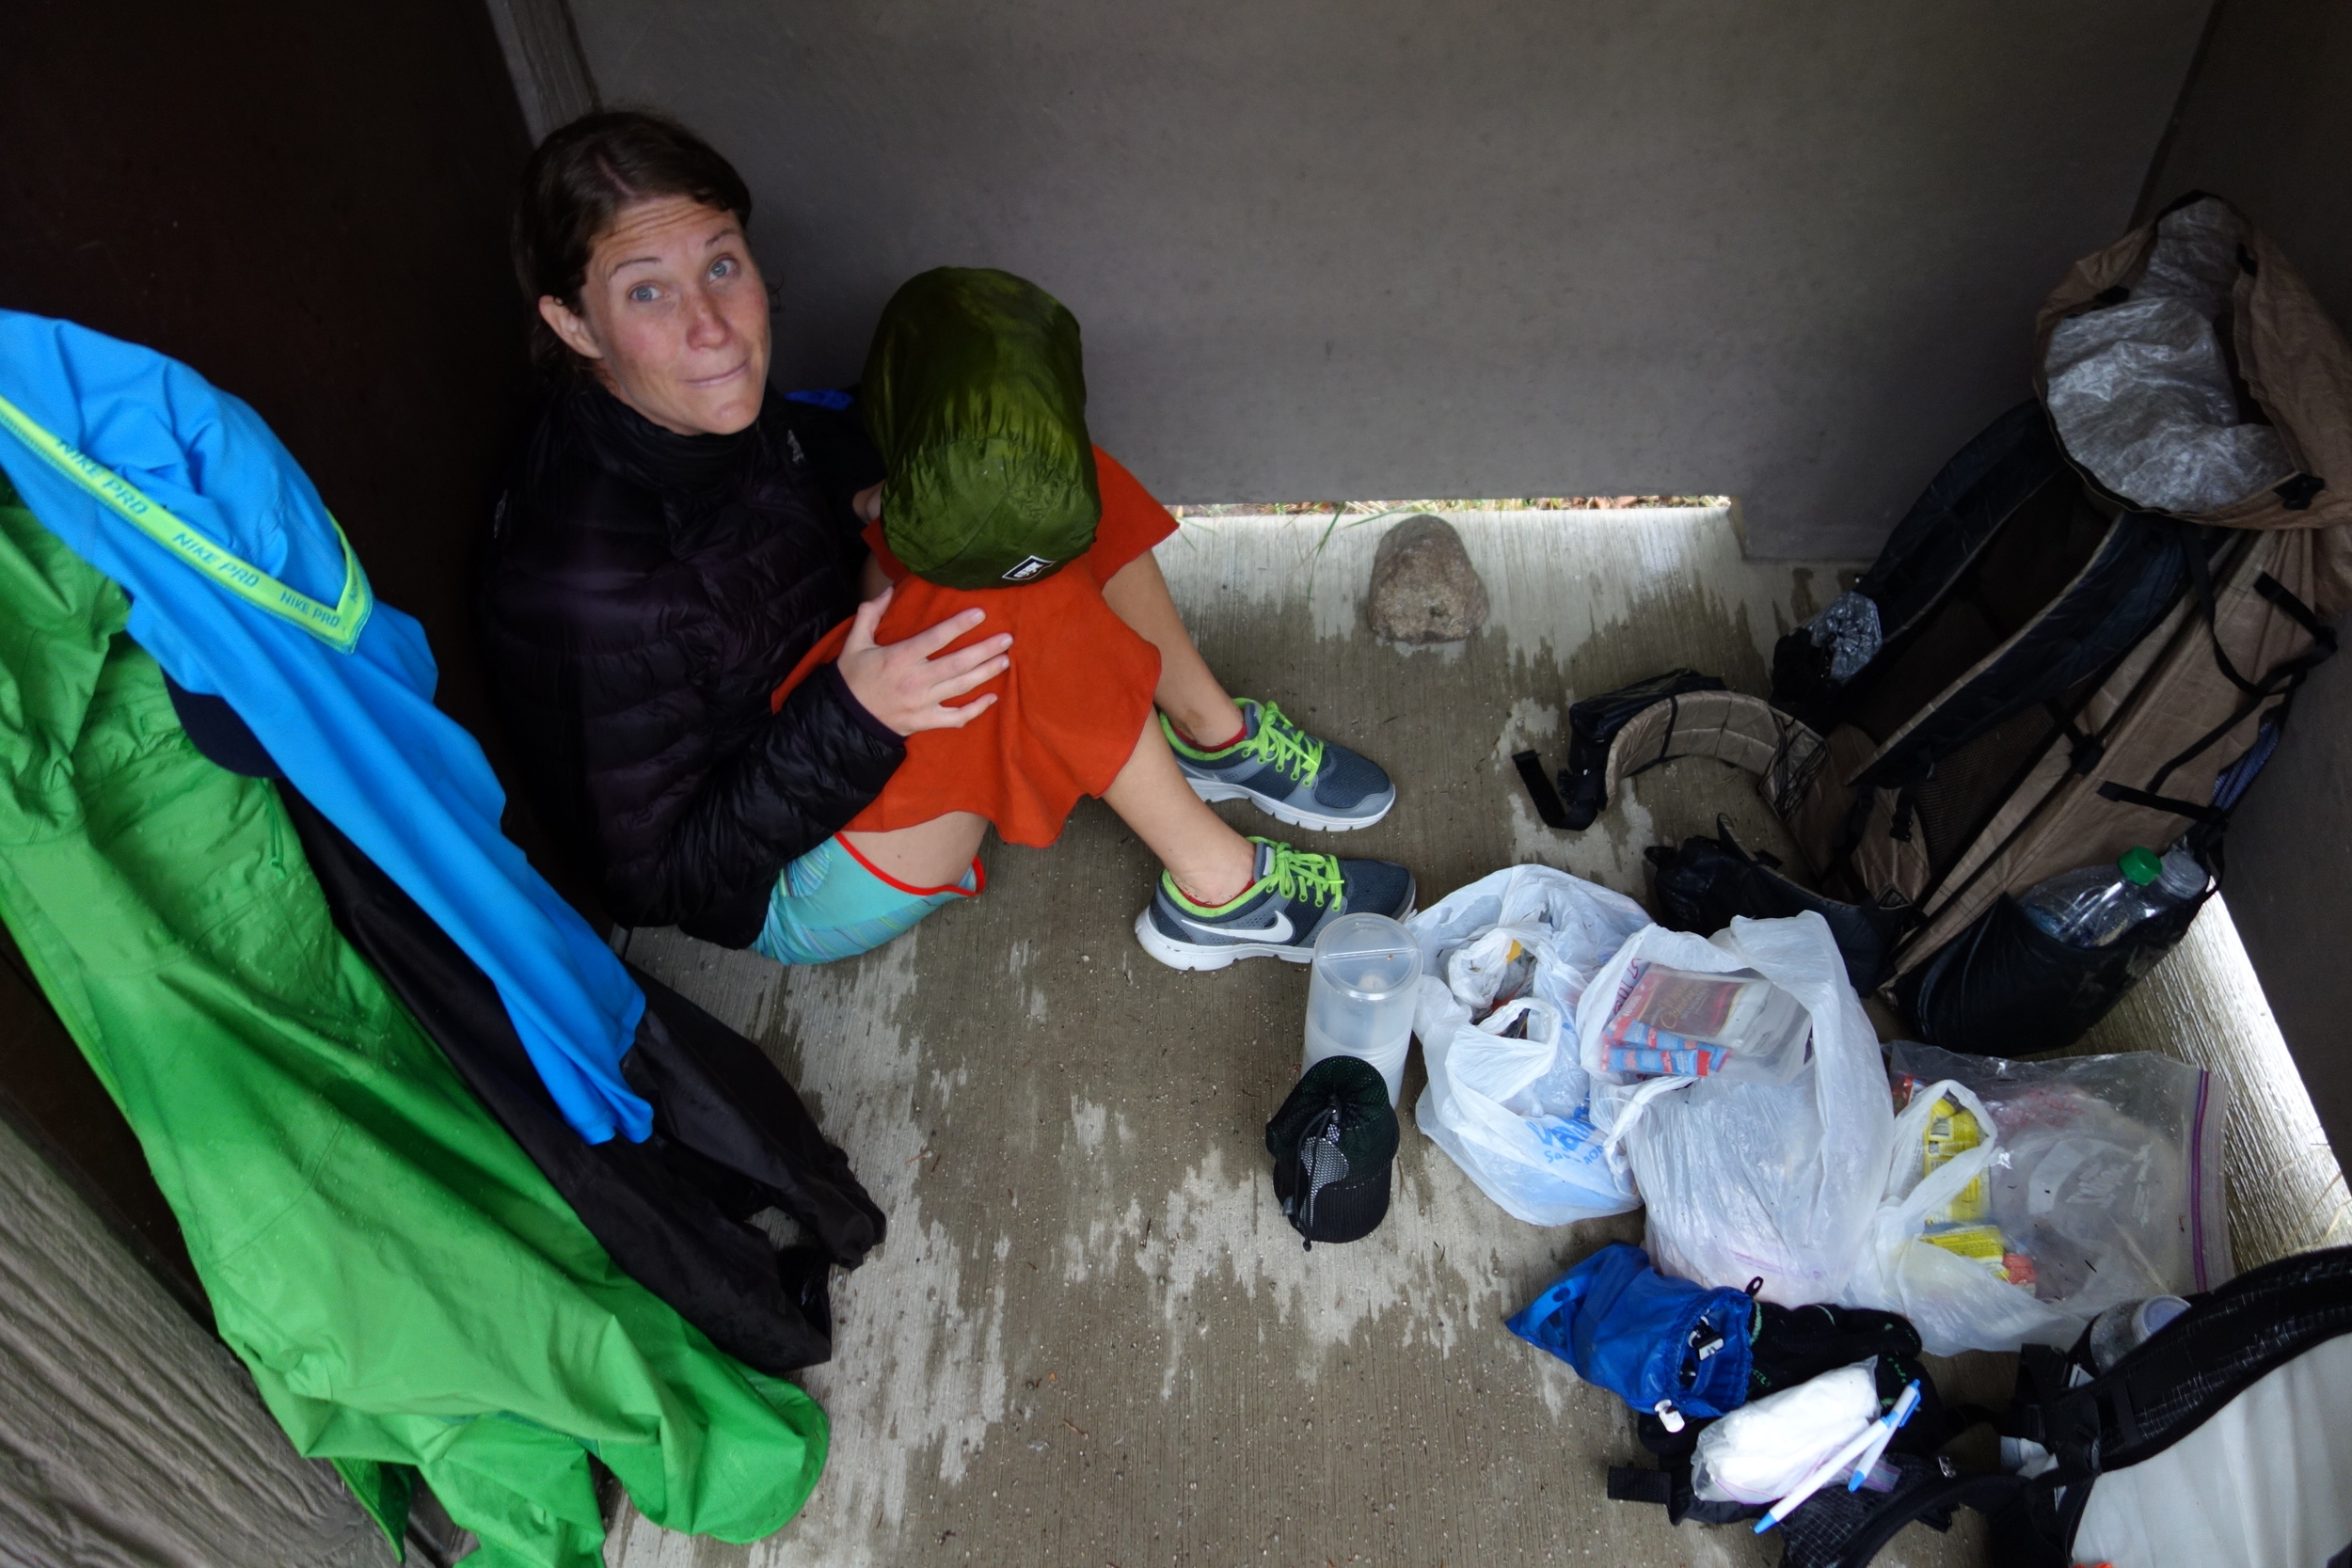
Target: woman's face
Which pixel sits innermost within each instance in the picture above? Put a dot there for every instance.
(674, 316)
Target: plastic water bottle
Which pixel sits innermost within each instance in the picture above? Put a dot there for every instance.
(1360, 1000)
(2123, 1328)
(2092, 907)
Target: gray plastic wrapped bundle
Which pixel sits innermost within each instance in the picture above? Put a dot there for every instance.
(2142, 390)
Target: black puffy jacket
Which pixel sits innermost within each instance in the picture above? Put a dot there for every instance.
(644, 591)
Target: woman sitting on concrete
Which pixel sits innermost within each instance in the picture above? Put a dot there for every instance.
(676, 542)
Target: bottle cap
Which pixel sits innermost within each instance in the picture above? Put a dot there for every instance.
(2183, 877)
(2139, 866)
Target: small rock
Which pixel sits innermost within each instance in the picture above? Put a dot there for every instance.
(1424, 587)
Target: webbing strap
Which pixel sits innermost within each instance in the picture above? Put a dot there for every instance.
(2283, 676)
(2201, 573)
(2125, 794)
(2280, 594)
(2197, 748)
(2084, 749)
(337, 626)
(1631, 1484)
(1666, 741)
(1539, 790)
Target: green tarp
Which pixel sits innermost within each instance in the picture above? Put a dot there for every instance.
(404, 1286)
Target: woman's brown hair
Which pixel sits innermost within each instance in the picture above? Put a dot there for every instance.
(580, 179)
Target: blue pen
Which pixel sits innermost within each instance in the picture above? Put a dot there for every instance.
(1904, 1405)
(1821, 1474)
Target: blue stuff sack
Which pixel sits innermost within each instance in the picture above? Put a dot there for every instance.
(1666, 1347)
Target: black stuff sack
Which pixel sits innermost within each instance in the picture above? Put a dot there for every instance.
(2004, 984)
(1707, 881)
(1334, 1143)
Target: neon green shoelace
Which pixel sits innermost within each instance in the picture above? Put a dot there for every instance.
(1284, 745)
(1299, 874)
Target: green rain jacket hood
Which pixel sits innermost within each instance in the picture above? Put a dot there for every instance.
(975, 391)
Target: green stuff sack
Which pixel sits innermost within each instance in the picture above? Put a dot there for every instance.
(976, 393)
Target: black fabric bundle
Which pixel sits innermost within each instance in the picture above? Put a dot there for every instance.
(731, 1137)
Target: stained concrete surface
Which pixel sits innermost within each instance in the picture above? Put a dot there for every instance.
(1090, 1339)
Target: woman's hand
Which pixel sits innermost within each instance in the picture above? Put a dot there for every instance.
(906, 687)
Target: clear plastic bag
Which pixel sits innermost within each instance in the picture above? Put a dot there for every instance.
(2141, 391)
(1849, 628)
(1743, 1180)
(1504, 962)
(1674, 1022)
(2084, 1183)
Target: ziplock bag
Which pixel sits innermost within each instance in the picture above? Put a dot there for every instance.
(1746, 1180)
(1504, 962)
(1760, 1452)
(1672, 1021)
(2087, 1181)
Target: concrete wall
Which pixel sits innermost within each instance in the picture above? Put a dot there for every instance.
(129, 1436)
(1485, 247)
(307, 204)
(2264, 124)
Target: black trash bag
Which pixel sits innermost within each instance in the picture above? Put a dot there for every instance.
(1593, 723)
(2007, 988)
(1701, 885)
(1814, 665)
(1801, 685)
(1790, 1345)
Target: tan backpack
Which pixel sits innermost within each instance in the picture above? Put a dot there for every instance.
(2041, 670)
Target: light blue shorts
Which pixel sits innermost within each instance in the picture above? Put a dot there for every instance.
(831, 904)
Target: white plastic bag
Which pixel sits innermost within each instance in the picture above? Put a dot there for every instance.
(1760, 1452)
(2102, 1172)
(1746, 1180)
(1511, 1112)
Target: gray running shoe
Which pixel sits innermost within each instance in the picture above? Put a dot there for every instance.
(1295, 894)
(1287, 773)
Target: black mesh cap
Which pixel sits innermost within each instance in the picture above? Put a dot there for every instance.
(1333, 1142)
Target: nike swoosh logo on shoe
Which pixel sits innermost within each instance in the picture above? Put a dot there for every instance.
(1279, 933)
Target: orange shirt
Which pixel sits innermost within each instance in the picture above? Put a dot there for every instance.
(1069, 710)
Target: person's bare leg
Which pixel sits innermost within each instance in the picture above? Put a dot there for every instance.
(929, 854)
(1187, 692)
(1212, 863)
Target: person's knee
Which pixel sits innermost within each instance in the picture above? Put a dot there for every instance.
(832, 904)
(926, 857)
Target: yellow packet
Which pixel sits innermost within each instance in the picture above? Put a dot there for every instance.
(1985, 1245)
(1953, 1132)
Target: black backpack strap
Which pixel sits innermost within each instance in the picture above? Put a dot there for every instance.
(1630, 1483)
(2201, 576)
(2287, 672)
(2237, 716)
(2084, 749)
(2230, 1339)
(2280, 680)
(2125, 794)
(1539, 790)
(2281, 595)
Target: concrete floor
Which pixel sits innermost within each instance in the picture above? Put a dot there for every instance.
(1090, 1339)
